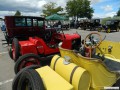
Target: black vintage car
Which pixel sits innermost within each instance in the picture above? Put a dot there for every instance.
(92, 24)
(112, 25)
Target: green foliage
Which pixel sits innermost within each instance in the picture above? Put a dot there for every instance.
(79, 8)
(71, 8)
(18, 13)
(116, 18)
(50, 8)
(118, 13)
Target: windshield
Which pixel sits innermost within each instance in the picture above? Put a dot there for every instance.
(109, 22)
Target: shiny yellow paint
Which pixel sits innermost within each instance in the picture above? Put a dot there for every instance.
(52, 80)
(88, 67)
(100, 75)
(103, 49)
(81, 77)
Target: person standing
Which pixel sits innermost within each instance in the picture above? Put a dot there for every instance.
(3, 26)
(59, 24)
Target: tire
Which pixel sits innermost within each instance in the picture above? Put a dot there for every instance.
(17, 77)
(26, 60)
(31, 79)
(10, 53)
(15, 49)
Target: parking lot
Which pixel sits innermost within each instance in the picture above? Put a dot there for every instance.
(7, 65)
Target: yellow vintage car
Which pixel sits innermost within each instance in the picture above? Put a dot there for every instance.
(96, 66)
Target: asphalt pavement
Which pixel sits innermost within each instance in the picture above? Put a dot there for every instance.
(7, 65)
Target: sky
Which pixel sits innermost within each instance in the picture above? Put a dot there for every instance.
(102, 8)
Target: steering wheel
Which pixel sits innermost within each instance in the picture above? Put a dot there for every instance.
(93, 43)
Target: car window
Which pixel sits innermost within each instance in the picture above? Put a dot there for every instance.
(29, 22)
(40, 23)
(20, 22)
(97, 20)
(119, 24)
(108, 22)
(34, 22)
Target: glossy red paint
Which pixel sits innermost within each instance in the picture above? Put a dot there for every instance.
(27, 47)
(67, 42)
(44, 46)
(37, 45)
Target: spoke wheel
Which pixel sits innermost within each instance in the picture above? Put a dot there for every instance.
(26, 60)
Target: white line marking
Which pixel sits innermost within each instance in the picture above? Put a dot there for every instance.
(3, 53)
(7, 81)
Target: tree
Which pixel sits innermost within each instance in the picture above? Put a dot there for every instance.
(79, 8)
(118, 13)
(50, 8)
(18, 13)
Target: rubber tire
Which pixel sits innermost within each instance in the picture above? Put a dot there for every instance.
(17, 48)
(34, 79)
(20, 60)
(10, 53)
(17, 77)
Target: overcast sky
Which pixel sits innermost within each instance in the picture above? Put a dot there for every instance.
(102, 8)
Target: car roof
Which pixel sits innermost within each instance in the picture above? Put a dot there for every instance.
(26, 17)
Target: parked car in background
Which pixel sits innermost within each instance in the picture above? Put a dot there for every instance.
(112, 25)
(92, 24)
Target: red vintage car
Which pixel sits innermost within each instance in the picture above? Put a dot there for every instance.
(32, 42)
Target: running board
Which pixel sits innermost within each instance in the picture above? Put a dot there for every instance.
(3, 40)
(4, 43)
